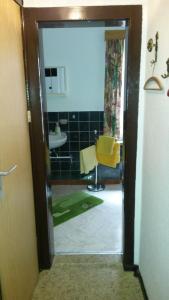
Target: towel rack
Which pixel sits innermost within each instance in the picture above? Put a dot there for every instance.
(96, 187)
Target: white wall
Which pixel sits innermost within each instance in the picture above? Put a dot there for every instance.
(82, 52)
(154, 253)
(55, 3)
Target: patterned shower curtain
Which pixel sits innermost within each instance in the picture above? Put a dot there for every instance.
(113, 84)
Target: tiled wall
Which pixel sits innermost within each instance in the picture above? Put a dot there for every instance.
(80, 131)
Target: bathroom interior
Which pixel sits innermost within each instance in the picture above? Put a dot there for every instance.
(75, 56)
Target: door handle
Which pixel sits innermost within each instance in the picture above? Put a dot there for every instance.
(5, 173)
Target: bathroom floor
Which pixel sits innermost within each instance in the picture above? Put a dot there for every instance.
(99, 230)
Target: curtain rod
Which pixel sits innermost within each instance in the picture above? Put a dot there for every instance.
(115, 35)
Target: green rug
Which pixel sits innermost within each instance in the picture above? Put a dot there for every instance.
(72, 205)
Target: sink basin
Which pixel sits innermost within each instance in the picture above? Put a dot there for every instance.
(57, 140)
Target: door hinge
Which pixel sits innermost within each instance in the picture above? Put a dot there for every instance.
(29, 116)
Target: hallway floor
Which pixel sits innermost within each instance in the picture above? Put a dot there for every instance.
(87, 277)
(98, 230)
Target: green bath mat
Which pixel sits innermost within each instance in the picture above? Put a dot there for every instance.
(72, 205)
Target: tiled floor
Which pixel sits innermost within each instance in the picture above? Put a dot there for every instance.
(99, 230)
(87, 277)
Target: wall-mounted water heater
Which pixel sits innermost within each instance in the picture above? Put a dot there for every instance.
(55, 79)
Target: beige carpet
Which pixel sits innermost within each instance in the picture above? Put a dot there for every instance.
(87, 277)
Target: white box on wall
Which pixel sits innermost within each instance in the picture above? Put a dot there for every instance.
(55, 80)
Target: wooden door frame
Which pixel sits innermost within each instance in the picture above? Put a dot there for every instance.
(32, 19)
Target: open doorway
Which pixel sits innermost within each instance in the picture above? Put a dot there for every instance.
(39, 18)
(80, 59)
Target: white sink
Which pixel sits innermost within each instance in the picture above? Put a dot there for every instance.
(57, 140)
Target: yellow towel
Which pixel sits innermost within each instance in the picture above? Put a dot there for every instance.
(105, 144)
(108, 158)
(88, 159)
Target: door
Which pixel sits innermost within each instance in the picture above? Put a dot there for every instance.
(18, 249)
(35, 18)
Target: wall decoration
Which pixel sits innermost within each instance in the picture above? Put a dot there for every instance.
(166, 75)
(153, 83)
(168, 93)
(151, 45)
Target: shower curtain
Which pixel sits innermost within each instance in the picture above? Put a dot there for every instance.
(113, 82)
